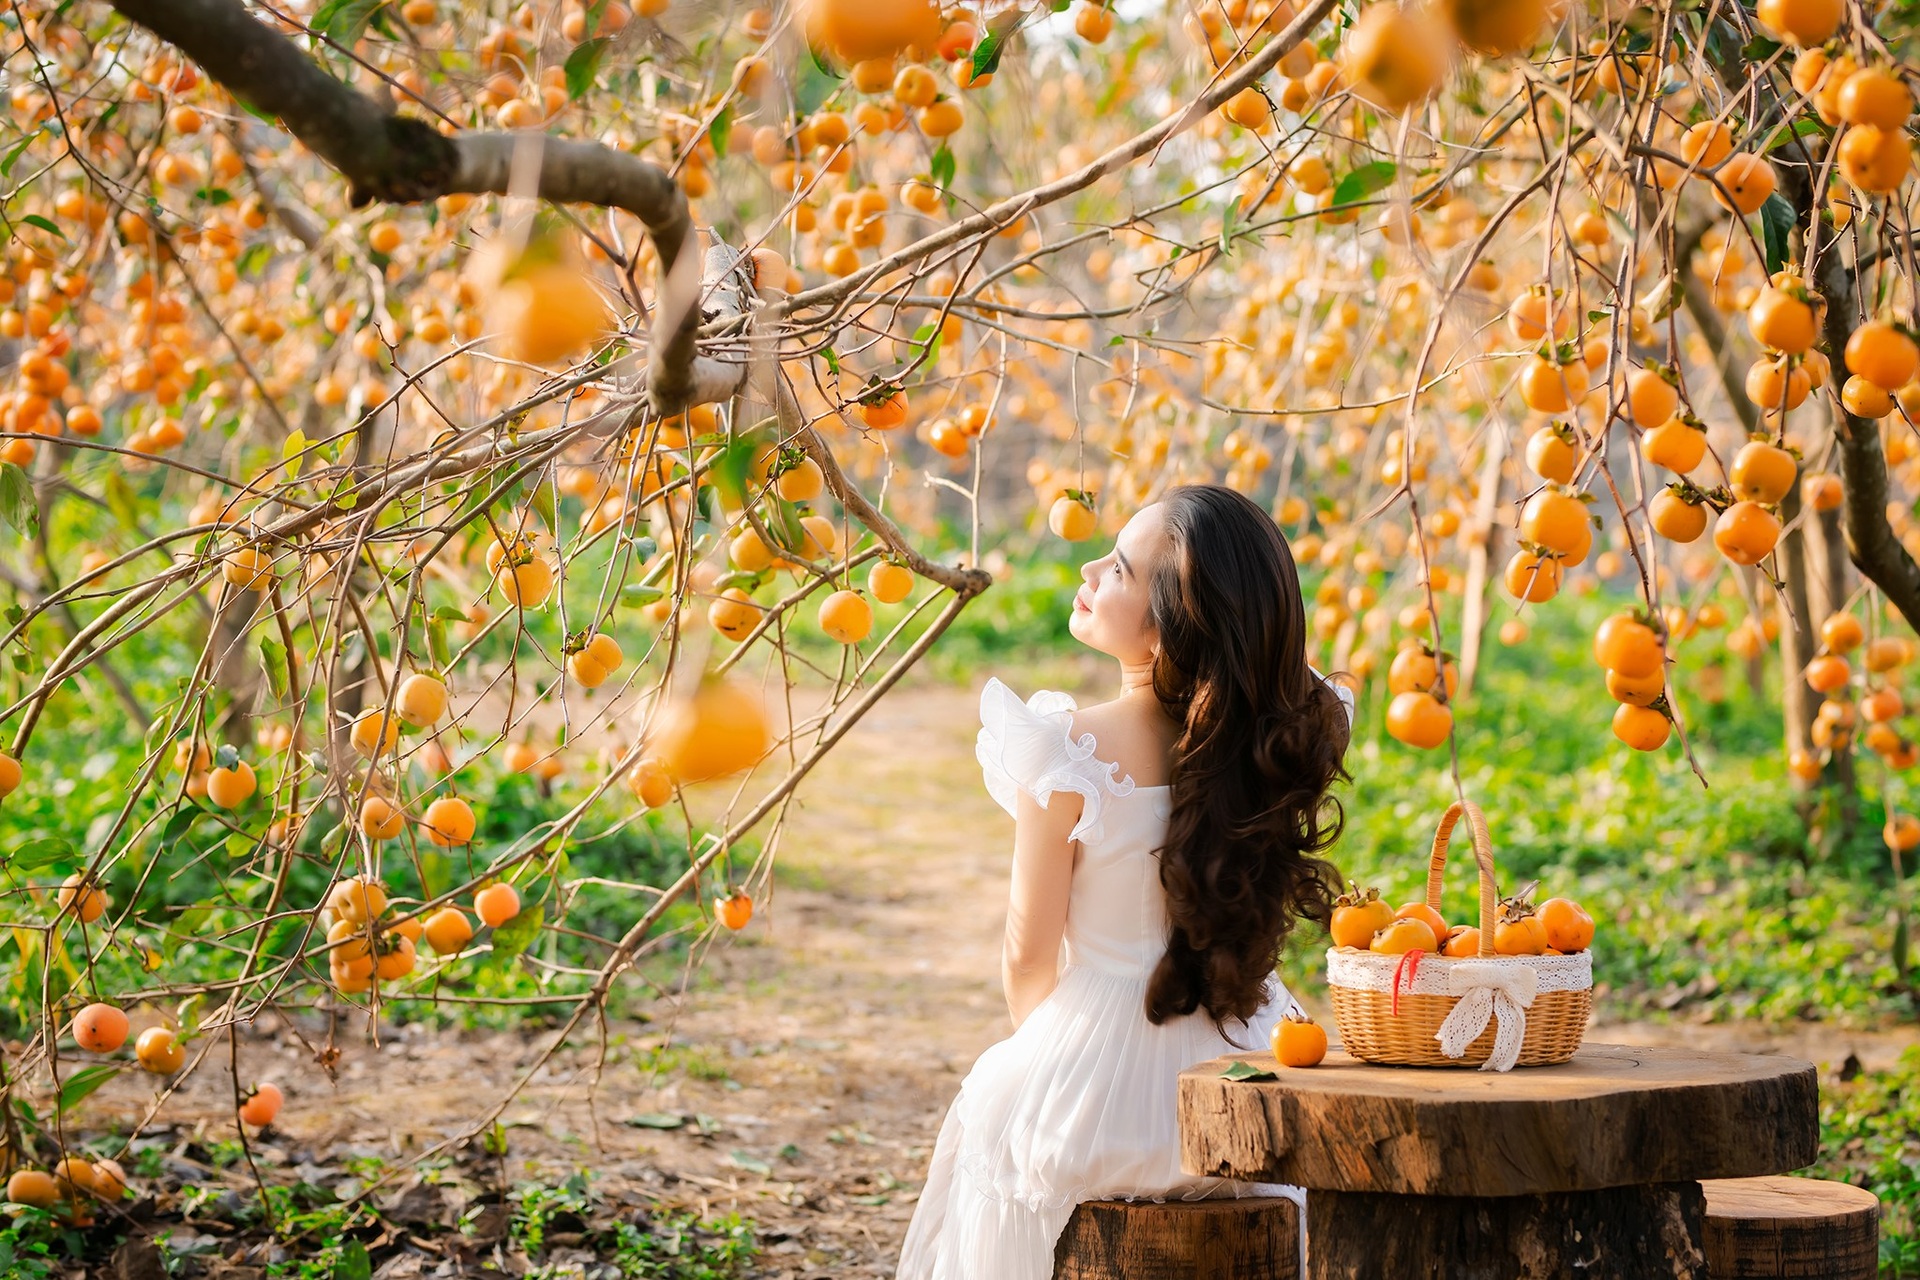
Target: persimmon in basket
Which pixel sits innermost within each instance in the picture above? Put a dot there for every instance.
(1358, 915)
(1556, 927)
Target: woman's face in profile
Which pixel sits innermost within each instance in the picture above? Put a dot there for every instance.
(1110, 611)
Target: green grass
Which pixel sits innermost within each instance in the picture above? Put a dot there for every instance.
(1870, 1136)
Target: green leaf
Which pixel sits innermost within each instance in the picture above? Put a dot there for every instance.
(354, 1263)
(17, 507)
(273, 660)
(293, 453)
(833, 360)
(926, 338)
(226, 756)
(1786, 137)
(343, 21)
(730, 466)
(37, 855)
(1247, 1071)
(45, 224)
(1363, 182)
(517, 934)
(750, 1162)
(636, 594)
(719, 130)
(1776, 224)
(986, 54)
(942, 167)
(657, 1120)
(583, 64)
(541, 500)
(82, 1084)
(122, 501)
(6, 165)
(183, 818)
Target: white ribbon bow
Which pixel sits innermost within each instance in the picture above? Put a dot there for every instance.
(1488, 989)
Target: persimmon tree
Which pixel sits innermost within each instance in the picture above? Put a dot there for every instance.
(465, 382)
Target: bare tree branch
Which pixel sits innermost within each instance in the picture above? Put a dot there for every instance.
(403, 160)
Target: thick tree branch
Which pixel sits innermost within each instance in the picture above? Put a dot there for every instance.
(402, 160)
(1871, 543)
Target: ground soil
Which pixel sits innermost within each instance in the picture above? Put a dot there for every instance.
(807, 1070)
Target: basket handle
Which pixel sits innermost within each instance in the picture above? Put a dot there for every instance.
(1482, 854)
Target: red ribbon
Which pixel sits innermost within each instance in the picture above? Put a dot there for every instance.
(1410, 965)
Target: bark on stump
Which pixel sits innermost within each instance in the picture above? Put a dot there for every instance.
(1791, 1229)
(1626, 1233)
(1252, 1238)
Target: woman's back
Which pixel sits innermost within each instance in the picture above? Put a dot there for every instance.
(1078, 1103)
(1117, 913)
(1147, 902)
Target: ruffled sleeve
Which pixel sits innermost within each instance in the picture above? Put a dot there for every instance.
(1346, 694)
(1028, 746)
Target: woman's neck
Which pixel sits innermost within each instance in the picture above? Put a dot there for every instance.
(1136, 682)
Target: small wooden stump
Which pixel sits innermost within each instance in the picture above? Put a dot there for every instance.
(1251, 1238)
(1791, 1229)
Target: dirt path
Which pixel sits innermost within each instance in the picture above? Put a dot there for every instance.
(807, 1072)
(799, 1085)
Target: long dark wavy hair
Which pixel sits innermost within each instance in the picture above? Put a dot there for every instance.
(1264, 741)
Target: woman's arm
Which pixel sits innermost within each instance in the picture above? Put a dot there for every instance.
(1037, 902)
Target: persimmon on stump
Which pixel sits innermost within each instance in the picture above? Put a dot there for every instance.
(1589, 1169)
(1252, 1238)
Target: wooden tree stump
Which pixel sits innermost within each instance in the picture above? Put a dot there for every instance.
(1614, 1116)
(1252, 1238)
(1628, 1233)
(1588, 1170)
(1791, 1229)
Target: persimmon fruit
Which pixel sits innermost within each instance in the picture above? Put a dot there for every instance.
(1358, 914)
(100, 1028)
(262, 1105)
(159, 1051)
(1569, 927)
(1299, 1042)
(496, 904)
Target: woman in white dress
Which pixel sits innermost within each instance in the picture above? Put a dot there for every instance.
(1165, 843)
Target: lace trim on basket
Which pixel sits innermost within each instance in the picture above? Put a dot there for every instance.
(1365, 971)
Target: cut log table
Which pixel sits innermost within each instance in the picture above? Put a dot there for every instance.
(1589, 1169)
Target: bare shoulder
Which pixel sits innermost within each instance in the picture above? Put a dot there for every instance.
(1137, 736)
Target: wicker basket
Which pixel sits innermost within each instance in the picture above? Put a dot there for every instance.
(1390, 1009)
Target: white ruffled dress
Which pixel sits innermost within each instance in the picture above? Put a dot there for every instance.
(1079, 1103)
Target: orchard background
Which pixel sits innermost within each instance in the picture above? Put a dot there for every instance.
(505, 507)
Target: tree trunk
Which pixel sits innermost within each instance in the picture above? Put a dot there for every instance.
(1625, 1233)
(1485, 508)
(1253, 1238)
(1800, 702)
